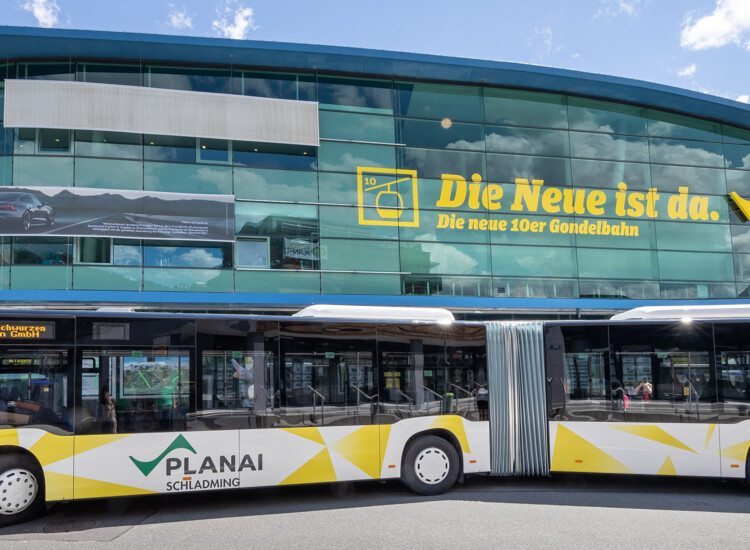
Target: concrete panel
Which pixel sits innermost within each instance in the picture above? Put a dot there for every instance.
(108, 107)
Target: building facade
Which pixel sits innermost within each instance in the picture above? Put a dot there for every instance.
(206, 174)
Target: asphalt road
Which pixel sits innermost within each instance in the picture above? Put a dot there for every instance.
(567, 511)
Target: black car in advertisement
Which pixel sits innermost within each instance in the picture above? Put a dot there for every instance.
(24, 210)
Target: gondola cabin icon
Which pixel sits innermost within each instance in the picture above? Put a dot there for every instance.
(387, 196)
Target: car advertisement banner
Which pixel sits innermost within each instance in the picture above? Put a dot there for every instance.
(84, 212)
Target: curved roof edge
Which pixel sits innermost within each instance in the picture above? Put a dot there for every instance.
(28, 42)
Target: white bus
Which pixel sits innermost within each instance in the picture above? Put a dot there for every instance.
(106, 404)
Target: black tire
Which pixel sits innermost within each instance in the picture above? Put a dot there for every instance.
(430, 466)
(21, 489)
(51, 219)
(26, 221)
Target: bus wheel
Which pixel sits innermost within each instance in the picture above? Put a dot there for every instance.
(430, 466)
(21, 489)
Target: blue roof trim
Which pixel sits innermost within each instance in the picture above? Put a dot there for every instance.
(27, 42)
(93, 297)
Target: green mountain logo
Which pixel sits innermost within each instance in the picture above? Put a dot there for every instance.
(146, 467)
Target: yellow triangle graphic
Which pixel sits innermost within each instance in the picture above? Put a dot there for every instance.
(574, 454)
(654, 433)
(9, 437)
(318, 469)
(308, 433)
(360, 448)
(85, 443)
(711, 429)
(385, 432)
(91, 488)
(58, 486)
(742, 204)
(667, 469)
(736, 452)
(455, 425)
(52, 448)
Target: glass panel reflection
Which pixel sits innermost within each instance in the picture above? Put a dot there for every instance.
(527, 141)
(533, 261)
(439, 101)
(443, 134)
(522, 108)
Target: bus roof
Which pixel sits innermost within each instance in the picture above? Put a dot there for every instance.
(720, 311)
(377, 313)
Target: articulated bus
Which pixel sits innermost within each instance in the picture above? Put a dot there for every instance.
(105, 404)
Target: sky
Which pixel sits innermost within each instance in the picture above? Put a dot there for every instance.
(699, 45)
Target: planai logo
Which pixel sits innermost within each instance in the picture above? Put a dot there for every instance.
(146, 467)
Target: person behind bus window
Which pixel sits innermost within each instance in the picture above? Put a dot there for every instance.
(647, 389)
(109, 418)
(482, 395)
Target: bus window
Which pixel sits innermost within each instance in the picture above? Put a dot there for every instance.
(149, 389)
(581, 356)
(34, 387)
(431, 371)
(733, 370)
(666, 370)
(328, 374)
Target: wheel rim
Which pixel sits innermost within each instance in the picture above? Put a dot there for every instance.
(432, 465)
(18, 489)
(26, 221)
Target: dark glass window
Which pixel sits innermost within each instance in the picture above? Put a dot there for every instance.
(123, 75)
(733, 370)
(666, 371)
(46, 71)
(94, 250)
(213, 150)
(349, 94)
(185, 78)
(447, 103)
(41, 251)
(36, 384)
(267, 155)
(54, 141)
(276, 85)
(148, 388)
(578, 374)
(328, 374)
(169, 148)
(239, 382)
(108, 144)
(432, 370)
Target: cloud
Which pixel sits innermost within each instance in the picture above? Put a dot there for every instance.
(613, 8)
(46, 12)
(687, 71)
(541, 42)
(233, 20)
(179, 18)
(744, 98)
(728, 24)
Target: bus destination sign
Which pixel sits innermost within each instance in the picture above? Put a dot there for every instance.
(26, 330)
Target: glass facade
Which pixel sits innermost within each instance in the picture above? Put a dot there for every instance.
(477, 191)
